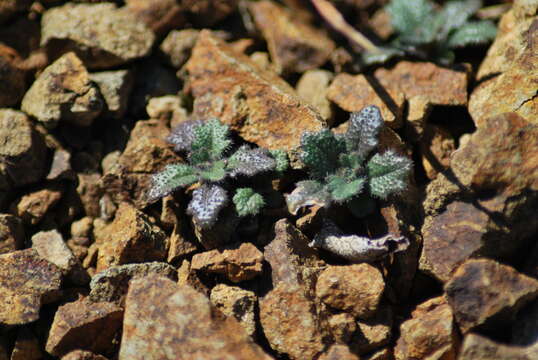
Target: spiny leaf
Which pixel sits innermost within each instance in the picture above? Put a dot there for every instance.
(343, 189)
(206, 203)
(363, 131)
(182, 135)
(281, 158)
(476, 32)
(210, 142)
(249, 162)
(172, 177)
(248, 202)
(307, 193)
(388, 174)
(216, 172)
(320, 152)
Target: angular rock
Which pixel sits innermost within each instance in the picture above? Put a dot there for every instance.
(11, 233)
(356, 289)
(312, 87)
(180, 246)
(63, 91)
(177, 46)
(237, 263)
(262, 107)
(101, 35)
(115, 87)
(169, 108)
(31, 208)
(342, 327)
(477, 347)
(27, 346)
(60, 168)
(289, 38)
(374, 333)
(290, 322)
(205, 13)
(338, 352)
(82, 228)
(159, 15)
(82, 355)
(12, 78)
(84, 325)
(22, 150)
(525, 327)
(131, 238)
(89, 190)
(26, 282)
(188, 277)
(111, 285)
(436, 145)
(353, 93)
(429, 334)
(186, 330)
(236, 302)
(478, 304)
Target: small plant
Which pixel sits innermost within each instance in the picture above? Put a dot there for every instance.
(206, 145)
(343, 169)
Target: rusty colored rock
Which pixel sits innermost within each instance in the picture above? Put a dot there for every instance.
(236, 302)
(187, 329)
(294, 45)
(84, 325)
(90, 191)
(312, 87)
(27, 346)
(31, 208)
(115, 87)
(429, 334)
(159, 15)
(477, 347)
(12, 78)
(82, 355)
(262, 107)
(177, 46)
(373, 333)
(338, 352)
(237, 263)
(436, 146)
(26, 282)
(353, 93)
(356, 289)
(180, 246)
(478, 304)
(11, 233)
(101, 35)
(342, 327)
(290, 322)
(186, 276)
(63, 91)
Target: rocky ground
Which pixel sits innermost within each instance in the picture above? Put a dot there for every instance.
(89, 269)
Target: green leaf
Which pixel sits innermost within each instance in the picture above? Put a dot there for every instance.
(249, 162)
(248, 202)
(216, 172)
(172, 177)
(320, 152)
(352, 161)
(281, 158)
(210, 142)
(456, 13)
(388, 174)
(306, 193)
(473, 33)
(343, 189)
(413, 20)
(382, 56)
(206, 203)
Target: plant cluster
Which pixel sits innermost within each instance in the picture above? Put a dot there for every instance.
(346, 169)
(207, 145)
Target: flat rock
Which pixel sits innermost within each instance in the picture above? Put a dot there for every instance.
(477, 347)
(11, 233)
(258, 104)
(12, 78)
(84, 325)
(289, 38)
(177, 46)
(312, 87)
(101, 35)
(82, 355)
(353, 93)
(237, 263)
(338, 352)
(429, 334)
(182, 326)
(63, 91)
(26, 282)
(356, 289)
(115, 87)
(290, 322)
(111, 285)
(477, 304)
(131, 238)
(31, 208)
(22, 149)
(236, 302)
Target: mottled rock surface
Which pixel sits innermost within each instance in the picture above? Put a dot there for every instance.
(31, 208)
(312, 87)
(338, 352)
(82, 355)
(177, 46)
(236, 302)
(477, 347)
(342, 327)
(115, 87)
(373, 333)
(11, 233)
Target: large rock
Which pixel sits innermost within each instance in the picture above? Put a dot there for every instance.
(236, 302)
(63, 91)
(487, 295)
(181, 326)
(26, 282)
(101, 35)
(262, 107)
(11, 233)
(477, 347)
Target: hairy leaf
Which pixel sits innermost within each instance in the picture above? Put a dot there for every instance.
(307, 193)
(206, 203)
(413, 20)
(182, 136)
(388, 174)
(343, 189)
(363, 131)
(248, 202)
(210, 142)
(171, 178)
(281, 158)
(472, 33)
(216, 172)
(249, 162)
(455, 13)
(320, 152)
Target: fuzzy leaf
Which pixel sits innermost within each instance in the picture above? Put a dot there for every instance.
(413, 20)
(388, 174)
(182, 135)
(306, 193)
(172, 177)
(249, 162)
(476, 32)
(248, 202)
(216, 172)
(210, 142)
(343, 189)
(363, 130)
(281, 158)
(382, 56)
(206, 203)
(320, 152)
(455, 13)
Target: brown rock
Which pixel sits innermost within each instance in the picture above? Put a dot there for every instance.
(82, 355)
(84, 325)
(342, 327)
(82, 228)
(478, 304)
(131, 238)
(356, 289)
(383, 354)
(177, 46)
(289, 38)
(8, 8)
(236, 302)
(477, 347)
(22, 150)
(429, 334)
(180, 246)
(26, 281)
(111, 285)
(169, 108)
(12, 78)
(187, 328)
(290, 323)
(115, 87)
(312, 87)
(275, 117)
(525, 327)
(159, 15)
(338, 352)
(237, 263)
(11, 233)
(101, 35)
(90, 190)
(205, 13)
(373, 333)
(353, 93)
(31, 208)
(63, 91)
(60, 167)
(27, 346)
(188, 277)
(436, 146)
